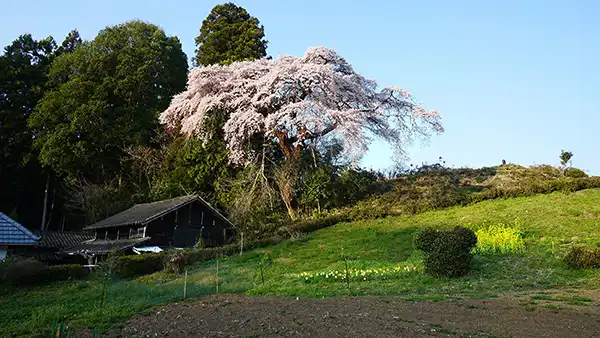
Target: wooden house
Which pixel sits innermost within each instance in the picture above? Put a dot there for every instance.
(175, 223)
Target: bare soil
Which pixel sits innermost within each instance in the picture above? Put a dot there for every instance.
(244, 316)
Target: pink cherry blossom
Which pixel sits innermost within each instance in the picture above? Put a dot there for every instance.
(297, 100)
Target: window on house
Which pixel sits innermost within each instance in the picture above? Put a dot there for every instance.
(137, 233)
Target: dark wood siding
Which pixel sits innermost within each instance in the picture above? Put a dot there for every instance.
(184, 227)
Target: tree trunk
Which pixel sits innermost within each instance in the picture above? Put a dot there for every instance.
(288, 172)
(287, 196)
(285, 178)
(43, 225)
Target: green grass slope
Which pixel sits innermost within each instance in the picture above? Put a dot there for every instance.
(551, 223)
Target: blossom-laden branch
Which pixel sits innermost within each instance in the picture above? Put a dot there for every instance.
(297, 100)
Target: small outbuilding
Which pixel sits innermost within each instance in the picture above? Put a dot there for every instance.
(49, 248)
(174, 223)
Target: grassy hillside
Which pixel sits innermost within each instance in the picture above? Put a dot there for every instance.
(551, 223)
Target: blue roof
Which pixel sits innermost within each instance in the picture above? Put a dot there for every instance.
(13, 233)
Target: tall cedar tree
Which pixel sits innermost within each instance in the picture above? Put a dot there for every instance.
(229, 34)
(111, 90)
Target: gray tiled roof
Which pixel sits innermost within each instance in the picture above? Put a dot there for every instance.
(144, 213)
(13, 233)
(101, 246)
(61, 239)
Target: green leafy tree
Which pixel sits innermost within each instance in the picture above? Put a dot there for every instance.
(24, 67)
(565, 158)
(108, 94)
(194, 166)
(229, 34)
(317, 187)
(70, 43)
(23, 74)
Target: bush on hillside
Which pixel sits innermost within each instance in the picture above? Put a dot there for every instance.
(173, 262)
(354, 185)
(575, 173)
(311, 225)
(19, 271)
(425, 239)
(137, 265)
(583, 257)
(447, 252)
(65, 272)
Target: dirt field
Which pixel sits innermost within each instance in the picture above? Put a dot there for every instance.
(244, 316)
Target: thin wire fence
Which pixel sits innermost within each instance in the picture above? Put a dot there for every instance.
(222, 276)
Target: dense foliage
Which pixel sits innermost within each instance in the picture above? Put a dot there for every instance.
(109, 93)
(24, 67)
(583, 257)
(229, 34)
(18, 271)
(447, 252)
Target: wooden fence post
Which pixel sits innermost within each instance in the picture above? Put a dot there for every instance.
(242, 243)
(185, 285)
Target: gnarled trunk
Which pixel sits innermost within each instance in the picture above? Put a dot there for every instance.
(286, 175)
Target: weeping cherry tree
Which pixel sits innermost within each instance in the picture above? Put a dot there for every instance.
(296, 102)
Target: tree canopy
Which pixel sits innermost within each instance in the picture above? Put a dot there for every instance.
(24, 67)
(296, 102)
(88, 128)
(109, 93)
(229, 34)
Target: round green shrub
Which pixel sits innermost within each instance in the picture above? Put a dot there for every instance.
(583, 257)
(425, 238)
(447, 252)
(575, 173)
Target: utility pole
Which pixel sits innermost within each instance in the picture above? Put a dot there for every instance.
(43, 226)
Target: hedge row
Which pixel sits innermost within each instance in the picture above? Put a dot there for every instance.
(20, 272)
(137, 265)
(563, 185)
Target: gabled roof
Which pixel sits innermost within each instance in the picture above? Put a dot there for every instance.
(92, 248)
(13, 233)
(143, 213)
(61, 239)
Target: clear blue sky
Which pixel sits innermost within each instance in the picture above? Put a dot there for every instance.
(515, 80)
